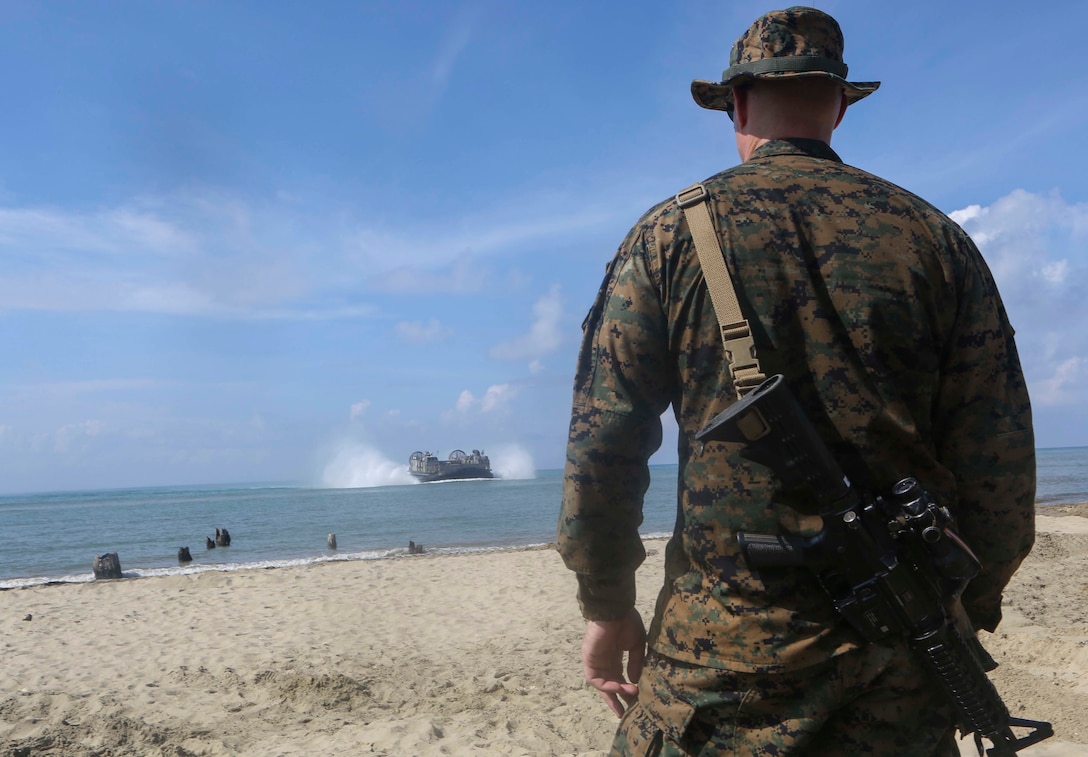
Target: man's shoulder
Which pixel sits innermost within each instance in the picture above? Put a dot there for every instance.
(658, 225)
(848, 184)
(666, 212)
(886, 187)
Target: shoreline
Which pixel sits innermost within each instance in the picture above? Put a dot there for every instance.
(30, 582)
(473, 653)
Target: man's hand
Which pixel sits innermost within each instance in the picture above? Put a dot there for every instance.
(602, 658)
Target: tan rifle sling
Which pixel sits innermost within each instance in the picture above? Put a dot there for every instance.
(740, 349)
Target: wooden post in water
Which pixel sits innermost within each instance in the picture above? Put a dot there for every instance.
(332, 541)
(107, 566)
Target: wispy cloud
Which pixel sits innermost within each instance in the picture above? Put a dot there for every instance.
(187, 254)
(544, 336)
(210, 254)
(419, 332)
(378, 249)
(72, 434)
(454, 43)
(26, 233)
(57, 389)
(465, 275)
(405, 98)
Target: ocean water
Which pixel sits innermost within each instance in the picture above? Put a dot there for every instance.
(1062, 476)
(55, 537)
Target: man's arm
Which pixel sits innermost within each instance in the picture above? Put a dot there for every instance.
(984, 433)
(622, 385)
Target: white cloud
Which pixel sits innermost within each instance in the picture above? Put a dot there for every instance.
(1055, 389)
(358, 409)
(545, 335)
(965, 215)
(1037, 247)
(73, 433)
(465, 402)
(1055, 273)
(1027, 240)
(496, 399)
(419, 332)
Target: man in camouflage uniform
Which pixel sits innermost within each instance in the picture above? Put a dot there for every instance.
(886, 323)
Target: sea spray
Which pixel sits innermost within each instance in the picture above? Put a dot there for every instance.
(512, 462)
(357, 466)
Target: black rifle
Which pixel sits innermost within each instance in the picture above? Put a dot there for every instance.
(891, 566)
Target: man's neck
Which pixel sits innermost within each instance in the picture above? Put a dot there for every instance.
(747, 144)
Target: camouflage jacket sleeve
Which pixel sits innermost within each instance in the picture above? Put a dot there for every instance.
(622, 385)
(983, 430)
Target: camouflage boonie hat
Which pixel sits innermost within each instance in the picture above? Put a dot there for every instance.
(796, 42)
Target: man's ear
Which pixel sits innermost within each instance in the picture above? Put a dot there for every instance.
(843, 102)
(740, 108)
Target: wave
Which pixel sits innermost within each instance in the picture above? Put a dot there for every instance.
(382, 554)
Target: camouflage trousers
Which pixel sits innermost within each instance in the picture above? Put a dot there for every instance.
(872, 701)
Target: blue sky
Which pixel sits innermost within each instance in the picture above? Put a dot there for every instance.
(270, 241)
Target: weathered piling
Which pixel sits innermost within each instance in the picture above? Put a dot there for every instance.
(332, 541)
(107, 566)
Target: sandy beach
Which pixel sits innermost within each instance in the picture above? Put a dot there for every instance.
(472, 654)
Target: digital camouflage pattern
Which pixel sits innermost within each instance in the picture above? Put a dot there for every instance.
(885, 321)
(795, 33)
(875, 701)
